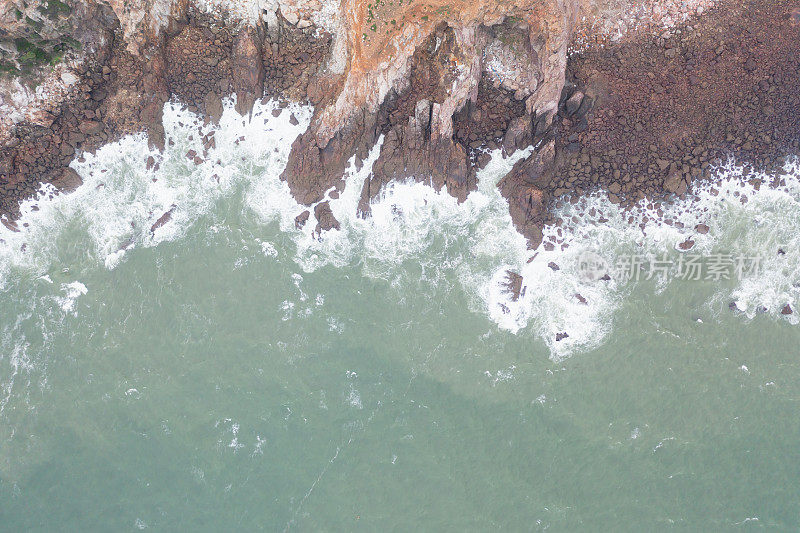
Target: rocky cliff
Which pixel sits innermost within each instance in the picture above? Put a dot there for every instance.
(443, 81)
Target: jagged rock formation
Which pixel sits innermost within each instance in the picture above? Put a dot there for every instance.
(438, 52)
(442, 81)
(33, 34)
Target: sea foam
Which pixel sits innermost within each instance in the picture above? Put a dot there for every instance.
(124, 202)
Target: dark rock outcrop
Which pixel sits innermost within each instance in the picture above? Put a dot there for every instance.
(248, 68)
(513, 285)
(325, 219)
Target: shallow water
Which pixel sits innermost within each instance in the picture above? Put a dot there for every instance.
(227, 370)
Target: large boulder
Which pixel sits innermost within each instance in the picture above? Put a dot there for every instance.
(68, 180)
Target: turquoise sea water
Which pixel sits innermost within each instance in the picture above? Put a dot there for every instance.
(227, 371)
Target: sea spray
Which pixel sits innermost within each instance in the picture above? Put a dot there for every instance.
(123, 197)
(737, 215)
(129, 189)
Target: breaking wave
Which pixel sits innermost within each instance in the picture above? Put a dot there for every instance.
(136, 197)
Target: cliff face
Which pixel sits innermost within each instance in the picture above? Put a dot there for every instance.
(33, 34)
(412, 66)
(407, 68)
(521, 42)
(441, 80)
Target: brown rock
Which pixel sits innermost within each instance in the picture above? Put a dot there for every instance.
(248, 70)
(674, 183)
(301, 219)
(537, 168)
(518, 134)
(325, 218)
(68, 181)
(163, 219)
(794, 16)
(10, 224)
(513, 285)
(573, 103)
(213, 106)
(90, 127)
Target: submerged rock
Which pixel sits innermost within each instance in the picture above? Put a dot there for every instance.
(163, 219)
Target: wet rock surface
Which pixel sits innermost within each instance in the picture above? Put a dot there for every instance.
(647, 117)
(200, 61)
(513, 285)
(292, 59)
(643, 117)
(663, 110)
(325, 219)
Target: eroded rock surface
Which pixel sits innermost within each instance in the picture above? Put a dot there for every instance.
(443, 82)
(412, 68)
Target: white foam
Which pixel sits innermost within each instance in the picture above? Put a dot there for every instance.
(72, 291)
(409, 218)
(767, 221)
(354, 398)
(246, 11)
(473, 243)
(122, 199)
(268, 249)
(14, 359)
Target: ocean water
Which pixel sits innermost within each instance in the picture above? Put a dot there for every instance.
(227, 371)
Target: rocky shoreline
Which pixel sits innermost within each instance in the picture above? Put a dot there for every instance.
(643, 117)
